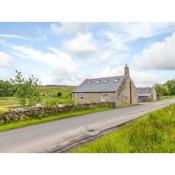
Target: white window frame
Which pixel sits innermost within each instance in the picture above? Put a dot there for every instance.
(103, 97)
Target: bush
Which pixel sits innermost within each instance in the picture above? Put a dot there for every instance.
(59, 94)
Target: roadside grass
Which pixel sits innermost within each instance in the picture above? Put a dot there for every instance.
(166, 97)
(153, 133)
(18, 124)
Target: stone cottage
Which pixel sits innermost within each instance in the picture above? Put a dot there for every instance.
(118, 89)
(146, 94)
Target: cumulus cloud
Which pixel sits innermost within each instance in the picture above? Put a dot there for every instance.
(5, 60)
(134, 30)
(60, 62)
(140, 78)
(81, 44)
(54, 57)
(120, 35)
(160, 55)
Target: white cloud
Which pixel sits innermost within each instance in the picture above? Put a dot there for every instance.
(61, 63)
(111, 71)
(71, 28)
(135, 30)
(106, 56)
(82, 43)
(5, 60)
(116, 41)
(140, 78)
(54, 57)
(120, 35)
(13, 36)
(68, 79)
(160, 55)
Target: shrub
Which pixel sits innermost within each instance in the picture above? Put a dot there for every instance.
(59, 94)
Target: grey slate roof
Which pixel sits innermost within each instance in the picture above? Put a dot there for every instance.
(146, 91)
(107, 84)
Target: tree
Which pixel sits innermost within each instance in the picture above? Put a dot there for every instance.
(26, 89)
(162, 90)
(6, 89)
(171, 86)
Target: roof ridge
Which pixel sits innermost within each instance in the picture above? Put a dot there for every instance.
(145, 87)
(104, 77)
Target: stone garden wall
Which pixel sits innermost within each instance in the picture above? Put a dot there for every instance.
(39, 112)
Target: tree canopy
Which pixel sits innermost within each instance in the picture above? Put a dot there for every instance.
(6, 89)
(167, 88)
(26, 89)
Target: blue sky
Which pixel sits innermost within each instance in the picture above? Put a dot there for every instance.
(68, 53)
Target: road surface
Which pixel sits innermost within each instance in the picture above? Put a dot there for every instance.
(55, 135)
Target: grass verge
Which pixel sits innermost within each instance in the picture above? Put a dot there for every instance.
(18, 124)
(166, 97)
(153, 133)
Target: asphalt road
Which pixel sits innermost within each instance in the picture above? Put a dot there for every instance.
(51, 136)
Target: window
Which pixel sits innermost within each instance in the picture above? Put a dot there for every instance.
(81, 96)
(103, 97)
(116, 80)
(105, 81)
(89, 82)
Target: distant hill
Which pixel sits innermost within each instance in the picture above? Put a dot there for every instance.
(53, 85)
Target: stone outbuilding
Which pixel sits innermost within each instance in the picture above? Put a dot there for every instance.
(146, 94)
(118, 89)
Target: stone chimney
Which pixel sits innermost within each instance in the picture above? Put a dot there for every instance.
(126, 70)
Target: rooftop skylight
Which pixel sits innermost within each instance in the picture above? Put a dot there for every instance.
(105, 81)
(89, 82)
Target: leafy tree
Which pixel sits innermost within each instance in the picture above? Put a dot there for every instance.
(171, 86)
(165, 90)
(26, 89)
(6, 89)
(162, 90)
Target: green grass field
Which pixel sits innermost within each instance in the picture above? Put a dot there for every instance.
(18, 124)
(153, 133)
(47, 94)
(4, 101)
(50, 94)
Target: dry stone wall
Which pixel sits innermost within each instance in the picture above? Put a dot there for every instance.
(39, 112)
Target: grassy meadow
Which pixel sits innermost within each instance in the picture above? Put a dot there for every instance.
(48, 97)
(5, 101)
(50, 94)
(153, 133)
